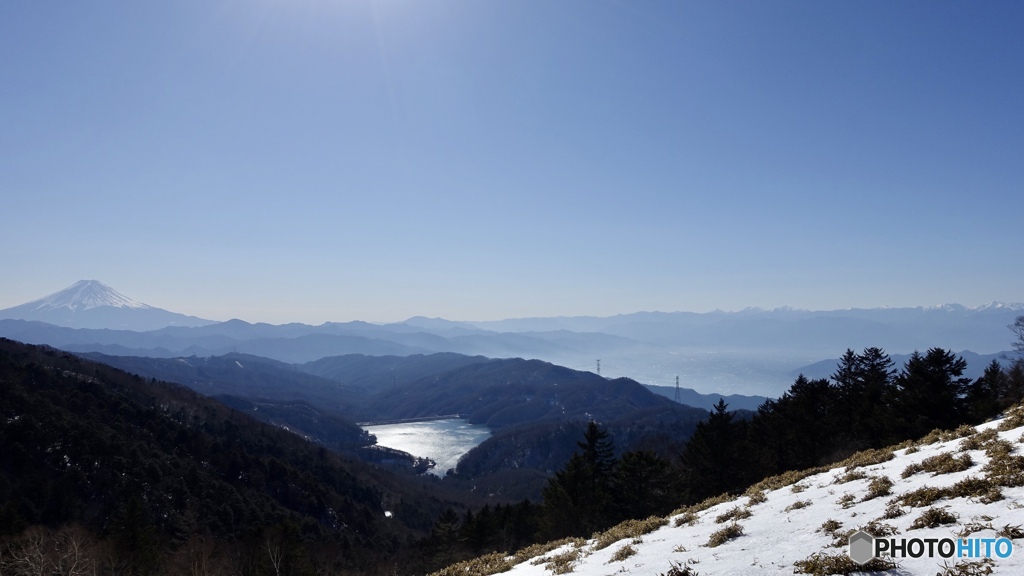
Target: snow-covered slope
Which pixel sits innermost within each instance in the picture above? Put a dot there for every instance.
(83, 295)
(974, 476)
(93, 304)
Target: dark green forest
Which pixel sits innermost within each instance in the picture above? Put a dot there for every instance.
(112, 473)
(144, 474)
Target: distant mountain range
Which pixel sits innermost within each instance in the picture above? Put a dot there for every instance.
(530, 380)
(981, 328)
(752, 352)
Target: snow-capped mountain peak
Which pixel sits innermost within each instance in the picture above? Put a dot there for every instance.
(960, 308)
(84, 295)
(93, 304)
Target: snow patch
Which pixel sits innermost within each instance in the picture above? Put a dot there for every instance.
(84, 295)
(787, 525)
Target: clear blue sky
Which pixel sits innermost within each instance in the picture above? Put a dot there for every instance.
(315, 160)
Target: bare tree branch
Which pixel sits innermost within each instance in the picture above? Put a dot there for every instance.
(1018, 329)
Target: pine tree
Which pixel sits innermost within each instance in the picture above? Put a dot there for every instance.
(931, 390)
(866, 391)
(798, 429)
(479, 530)
(1015, 382)
(598, 451)
(445, 539)
(642, 485)
(984, 397)
(711, 459)
(567, 500)
(135, 538)
(578, 499)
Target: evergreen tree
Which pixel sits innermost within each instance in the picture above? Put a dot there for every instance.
(599, 455)
(523, 524)
(642, 485)
(443, 544)
(567, 501)
(866, 391)
(812, 407)
(847, 384)
(135, 538)
(985, 396)
(797, 430)
(1014, 383)
(712, 457)
(931, 390)
(578, 499)
(598, 451)
(479, 530)
(770, 437)
(846, 374)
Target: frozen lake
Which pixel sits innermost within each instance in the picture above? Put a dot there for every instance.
(443, 441)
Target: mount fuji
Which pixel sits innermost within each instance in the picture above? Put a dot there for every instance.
(93, 304)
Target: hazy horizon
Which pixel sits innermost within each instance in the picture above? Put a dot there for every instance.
(495, 320)
(380, 159)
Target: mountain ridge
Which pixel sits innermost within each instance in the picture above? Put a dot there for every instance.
(751, 352)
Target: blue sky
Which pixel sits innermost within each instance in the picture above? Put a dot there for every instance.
(314, 160)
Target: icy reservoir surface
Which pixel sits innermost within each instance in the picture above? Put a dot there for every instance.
(443, 441)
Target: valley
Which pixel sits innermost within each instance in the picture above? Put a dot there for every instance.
(520, 402)
(401, 452)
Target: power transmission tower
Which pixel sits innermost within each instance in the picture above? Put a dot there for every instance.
(598, 366)
(678, 398)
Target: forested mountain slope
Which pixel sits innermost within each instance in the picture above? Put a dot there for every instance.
(512, 391)
(374, 372)
(145, 466)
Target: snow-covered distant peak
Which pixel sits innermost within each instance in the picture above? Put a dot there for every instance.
(1012, 306)
(86, 294)
(94, 305)
(948, 307)
(1015, 306)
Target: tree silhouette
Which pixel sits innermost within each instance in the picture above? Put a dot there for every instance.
(931, 389)
(987, 395)
(711, 459)
(866, 391)
(642, 485)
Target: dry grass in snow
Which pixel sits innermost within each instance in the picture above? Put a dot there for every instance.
(967, 482)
